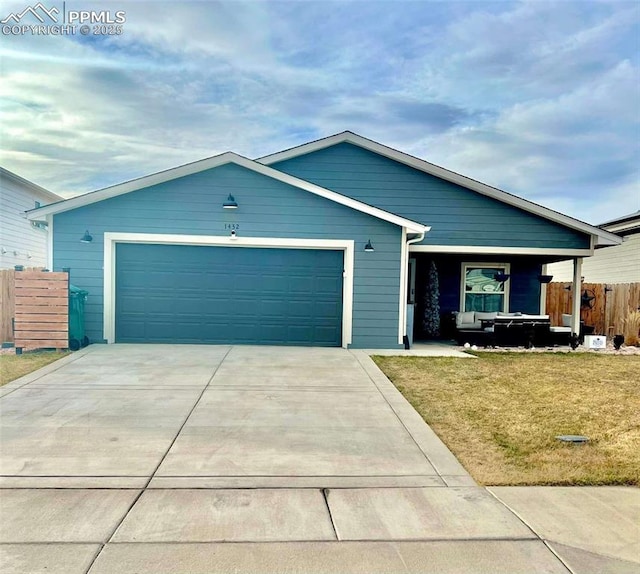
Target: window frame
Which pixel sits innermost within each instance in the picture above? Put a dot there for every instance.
(505, 267)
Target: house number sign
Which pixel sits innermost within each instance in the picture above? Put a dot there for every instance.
(232, 226)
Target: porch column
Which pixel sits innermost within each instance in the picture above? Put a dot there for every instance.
(577, 286)
(543, 293)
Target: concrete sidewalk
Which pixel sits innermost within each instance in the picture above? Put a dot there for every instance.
(166, 459)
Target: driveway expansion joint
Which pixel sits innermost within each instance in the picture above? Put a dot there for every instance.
(325, 495)
(294, 445)
(512, 511)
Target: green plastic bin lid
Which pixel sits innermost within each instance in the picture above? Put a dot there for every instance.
(77, 291)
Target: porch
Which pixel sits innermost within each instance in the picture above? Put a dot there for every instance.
(452, 293)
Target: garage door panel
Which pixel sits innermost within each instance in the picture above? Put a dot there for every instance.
(327, 310)
(328, 285)
(190, 294)
(301, 285)
(271, 334)
(302, 309)
(325, 334)
(300, 333)
(245, 307)
(134, 329)
(273, 284)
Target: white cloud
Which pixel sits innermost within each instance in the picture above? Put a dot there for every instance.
(577, 150)
(538, 98)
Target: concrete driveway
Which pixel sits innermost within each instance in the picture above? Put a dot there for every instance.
(152, 458)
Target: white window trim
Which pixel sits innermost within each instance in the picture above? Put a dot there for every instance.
(112, 239)
(463, 274)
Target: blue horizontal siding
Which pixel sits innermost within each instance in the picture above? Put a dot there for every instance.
(457, 216)
(192, 205)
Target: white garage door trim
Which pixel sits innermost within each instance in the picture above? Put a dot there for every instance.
(112, 239)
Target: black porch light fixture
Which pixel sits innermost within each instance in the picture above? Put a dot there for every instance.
(545, 278)
(368, 247)
(86, 238)
(230, 203)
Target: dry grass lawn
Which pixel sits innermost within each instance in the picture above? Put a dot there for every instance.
(500, 414)
(15, 366)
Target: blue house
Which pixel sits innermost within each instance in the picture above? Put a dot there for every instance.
(328, 243)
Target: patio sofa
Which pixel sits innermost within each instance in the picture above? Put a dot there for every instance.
(560, 334)
(502, 329)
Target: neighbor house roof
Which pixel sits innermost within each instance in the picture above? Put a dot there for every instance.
(625, 225)
(603, 237)
(209, 163)
(35, 188)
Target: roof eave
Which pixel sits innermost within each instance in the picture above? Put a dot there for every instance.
(601, 236)
(29, 184)
(607, 239)
(228, 157)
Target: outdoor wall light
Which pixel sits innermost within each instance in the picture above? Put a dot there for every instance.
(86, 238)
(545, 278)
(368, 247)
(231, 203)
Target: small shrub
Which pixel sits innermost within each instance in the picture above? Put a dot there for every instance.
(632, 329)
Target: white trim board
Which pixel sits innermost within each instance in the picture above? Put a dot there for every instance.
(50, 242)
(112, 239)
(489, 250)
(604, 237)
(223, 159)
(402, 303)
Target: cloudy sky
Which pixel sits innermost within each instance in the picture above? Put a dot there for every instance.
(541, 99)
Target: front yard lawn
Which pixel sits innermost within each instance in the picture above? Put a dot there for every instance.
(15, 366)
(500, 414)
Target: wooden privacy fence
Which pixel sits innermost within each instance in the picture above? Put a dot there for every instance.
(41, 310)
(606, 311)
(7, 302)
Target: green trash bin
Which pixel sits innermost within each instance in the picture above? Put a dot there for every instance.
(77, 299)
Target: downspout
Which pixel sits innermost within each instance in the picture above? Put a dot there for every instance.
(405, 279)
(417, 239)
(575, 302)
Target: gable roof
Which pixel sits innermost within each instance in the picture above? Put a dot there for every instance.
(216, 161)
(602, 237)
(25, 183)
(625, 225)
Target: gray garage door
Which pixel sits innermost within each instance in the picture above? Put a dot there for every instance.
(194, 294)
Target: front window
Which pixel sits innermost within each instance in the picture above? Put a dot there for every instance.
(482, 289)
